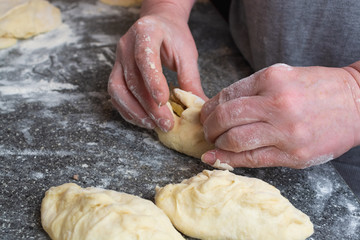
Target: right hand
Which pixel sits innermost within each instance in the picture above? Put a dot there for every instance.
(137, 86)
(285, 116)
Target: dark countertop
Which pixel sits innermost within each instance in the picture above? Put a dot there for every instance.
(56, 121)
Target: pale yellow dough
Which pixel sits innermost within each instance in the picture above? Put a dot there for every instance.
(187, 136)
(222, 166)
(21, 19)
(73, 213)
(7, 42)
(123, 3)
(221, 205)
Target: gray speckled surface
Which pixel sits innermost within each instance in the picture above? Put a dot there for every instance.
(56, 121)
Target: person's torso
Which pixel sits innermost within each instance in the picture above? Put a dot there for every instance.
(297, 32)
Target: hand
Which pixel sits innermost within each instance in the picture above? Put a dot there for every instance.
(284, 116)
(137, 86)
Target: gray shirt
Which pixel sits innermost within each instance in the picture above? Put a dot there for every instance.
(301, 33)
(297, 32)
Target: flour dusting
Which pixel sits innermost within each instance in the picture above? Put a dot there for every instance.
(60, 36)
(32, 152)
(323, 188)
(320, 160)
(29, 87)
(49, 93)
(37, 175)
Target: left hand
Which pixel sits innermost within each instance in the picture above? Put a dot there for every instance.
(284, 116)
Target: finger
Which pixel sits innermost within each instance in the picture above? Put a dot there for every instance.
(189, 76)
(161, 115)
(247, 137)
(245, 87)
(261, 157)
(146, 122)
(236, 112)
(125, 102)
(147, 57)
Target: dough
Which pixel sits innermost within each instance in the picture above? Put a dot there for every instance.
(187, 136)
(71, 212)
(26, 18)
(221, 205)
(222, 166)
(123, 3)
(7, 42)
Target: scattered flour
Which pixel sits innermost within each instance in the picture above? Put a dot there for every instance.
(152, 143)
(320, 160)
(103, 59)
(37, 175)
(93, 10)
(91, 144)
(29, 88)
(27, 135)
(322, 187)
(84, 165)
(104, 182)
(5, 152)
(63, 35)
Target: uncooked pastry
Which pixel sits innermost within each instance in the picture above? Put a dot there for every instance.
(221, 205)
(187, 136)
(21, 19)
(123, 3)
(73, 213)
(7, 42)
(222, 166)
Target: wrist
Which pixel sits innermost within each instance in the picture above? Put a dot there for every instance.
(354, 71)
(171, 9)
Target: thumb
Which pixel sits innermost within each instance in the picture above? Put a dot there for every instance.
(260, 157)
(189, 77)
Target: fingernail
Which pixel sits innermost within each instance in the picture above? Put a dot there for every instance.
(165, 125)
(209, 157)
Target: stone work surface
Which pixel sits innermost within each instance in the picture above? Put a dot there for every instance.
(56, 122)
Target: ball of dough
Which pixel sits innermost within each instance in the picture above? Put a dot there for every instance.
(7, 42)
(187, 136)
(26, 18)
(73, 213)
(221, 205)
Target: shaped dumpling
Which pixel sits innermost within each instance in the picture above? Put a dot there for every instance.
(73, 213)
(221, 205)
(187, 136)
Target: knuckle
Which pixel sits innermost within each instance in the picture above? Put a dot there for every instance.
(111, 87)
(225, 95)
(273, 73)
(250, 159)
(116, 90)
(231, 141)
(220, 116)
(282, 67)
(139, 56)
(287, 102)
(301, 155)
(121, 44)
(300, 133)
(144, 23)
